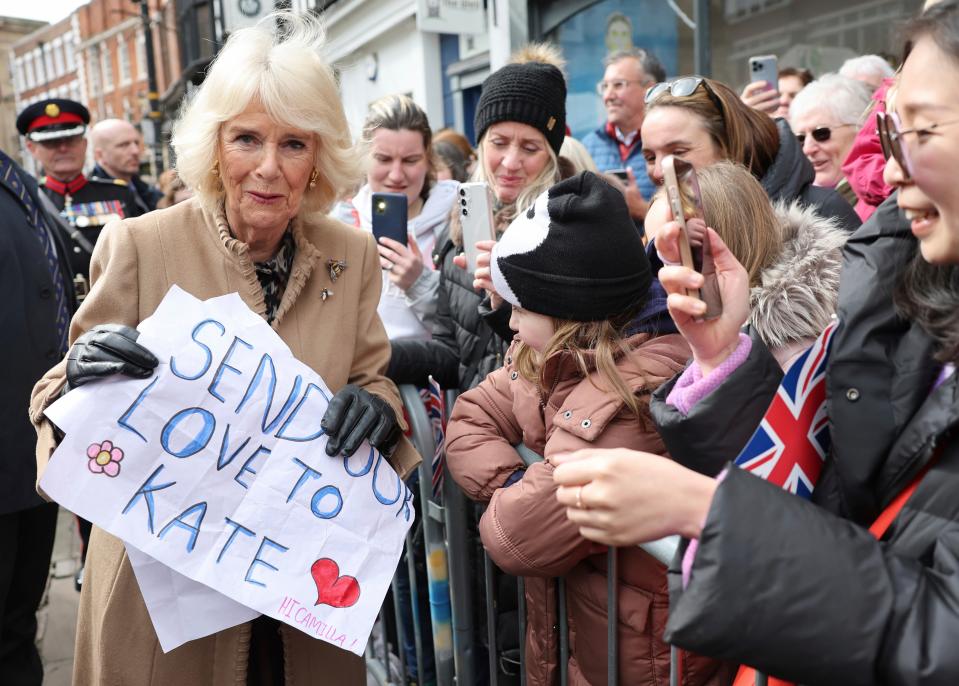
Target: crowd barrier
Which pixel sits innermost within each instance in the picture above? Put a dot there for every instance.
(443, 538)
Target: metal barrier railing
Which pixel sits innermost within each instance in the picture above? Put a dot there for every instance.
(452, 619)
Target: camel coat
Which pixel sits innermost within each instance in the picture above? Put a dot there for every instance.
(341, 338)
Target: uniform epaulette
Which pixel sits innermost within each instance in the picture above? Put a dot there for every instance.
(115, 182)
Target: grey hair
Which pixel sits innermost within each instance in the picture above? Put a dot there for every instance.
(866, 65)
(278, 64)
(651, 66)
(842, 96)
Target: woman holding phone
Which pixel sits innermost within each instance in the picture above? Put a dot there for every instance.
(520, 123)
(704, 121)
(809, 594)
(398, 136)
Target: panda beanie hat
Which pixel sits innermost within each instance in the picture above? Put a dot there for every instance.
(575, 254)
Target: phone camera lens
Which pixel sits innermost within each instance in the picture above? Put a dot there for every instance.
(463, 202)
(465, 212)
(463, 192)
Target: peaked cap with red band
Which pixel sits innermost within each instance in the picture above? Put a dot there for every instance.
(53, 118)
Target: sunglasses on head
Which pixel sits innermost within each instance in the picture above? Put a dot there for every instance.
(682, 88)
(820, 134)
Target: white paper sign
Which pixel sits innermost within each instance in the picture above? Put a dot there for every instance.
(180, 608)
(216, 467)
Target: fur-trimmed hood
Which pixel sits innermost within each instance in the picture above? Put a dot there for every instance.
(798, 293)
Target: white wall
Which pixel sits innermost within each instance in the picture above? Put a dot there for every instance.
(408, 61)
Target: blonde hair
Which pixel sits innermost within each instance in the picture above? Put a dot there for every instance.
(738, 209)
(277, 63)
(606, 343)
(578, 155)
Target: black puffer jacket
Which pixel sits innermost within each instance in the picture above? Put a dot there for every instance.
(464, 347)
(791, 175)
(807, 594)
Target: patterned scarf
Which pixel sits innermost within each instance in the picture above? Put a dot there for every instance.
(274, 274)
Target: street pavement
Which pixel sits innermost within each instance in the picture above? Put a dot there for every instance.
(57, 618)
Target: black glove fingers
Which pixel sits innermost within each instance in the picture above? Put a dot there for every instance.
(361, 430)
(381, 434)
(121, 347)
(336, 413)
(96, 369)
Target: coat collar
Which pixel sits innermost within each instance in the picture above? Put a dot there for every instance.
(304, 261)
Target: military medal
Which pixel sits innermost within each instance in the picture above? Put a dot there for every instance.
(325, 293)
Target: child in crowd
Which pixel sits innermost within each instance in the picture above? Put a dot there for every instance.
(574, 270)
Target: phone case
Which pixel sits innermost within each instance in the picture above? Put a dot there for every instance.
(764, 68)
(701, 259)
(389, 216)
(476, 218)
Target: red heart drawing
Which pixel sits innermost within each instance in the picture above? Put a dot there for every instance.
(331, 588)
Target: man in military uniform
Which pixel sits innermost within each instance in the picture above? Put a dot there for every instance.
(54, 130)
(117, 147)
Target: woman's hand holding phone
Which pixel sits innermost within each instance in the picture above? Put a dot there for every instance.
(711, 340)
(403, 264)
(762, 96)
(482, 277)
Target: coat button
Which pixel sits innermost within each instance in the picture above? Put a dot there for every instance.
(852, 395)
(45, 293)
(567, 414)
(513, 376)
(586, 424)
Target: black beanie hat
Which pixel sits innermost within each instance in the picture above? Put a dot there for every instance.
(575, 254)
(531, 93)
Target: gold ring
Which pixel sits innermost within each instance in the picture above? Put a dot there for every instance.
(579, 499)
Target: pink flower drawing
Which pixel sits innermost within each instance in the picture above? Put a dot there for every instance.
(104, 458)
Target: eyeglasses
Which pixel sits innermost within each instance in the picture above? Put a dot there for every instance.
(615, 84)
(891, 133)
(683, 88)
(820, 134)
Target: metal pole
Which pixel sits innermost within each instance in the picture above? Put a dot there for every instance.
(489, 571)
(701, 37)
(464, 650)
(563, 631)
(152, 95)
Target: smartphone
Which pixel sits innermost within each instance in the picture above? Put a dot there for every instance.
(686, 205)
(389, 216)
(620, 174)
(764, 68)
(476, 218)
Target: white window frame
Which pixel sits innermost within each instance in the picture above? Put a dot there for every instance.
(58, 62)
(141, 53)
(106, 67)
(123, 60)
(71, 59)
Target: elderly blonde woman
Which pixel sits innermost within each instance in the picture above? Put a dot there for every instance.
(265, 144)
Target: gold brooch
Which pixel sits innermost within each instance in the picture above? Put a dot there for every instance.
(336, 268)
(325, 293)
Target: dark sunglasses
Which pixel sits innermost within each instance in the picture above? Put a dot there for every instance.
(684, 87)
(820, 134)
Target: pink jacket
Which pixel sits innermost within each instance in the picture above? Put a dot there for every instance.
(865, 162)
(525, 529)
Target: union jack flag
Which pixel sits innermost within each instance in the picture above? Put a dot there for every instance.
(791, 443)
(436, 410)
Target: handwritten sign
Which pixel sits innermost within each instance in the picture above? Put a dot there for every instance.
(215, 466)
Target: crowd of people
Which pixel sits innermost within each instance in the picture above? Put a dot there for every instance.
(832, 225)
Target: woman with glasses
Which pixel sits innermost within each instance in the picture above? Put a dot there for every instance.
(825, 118)
(802, 590)
(704, 121)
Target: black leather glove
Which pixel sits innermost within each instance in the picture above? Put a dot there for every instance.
(108, 349)
(354, 414)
